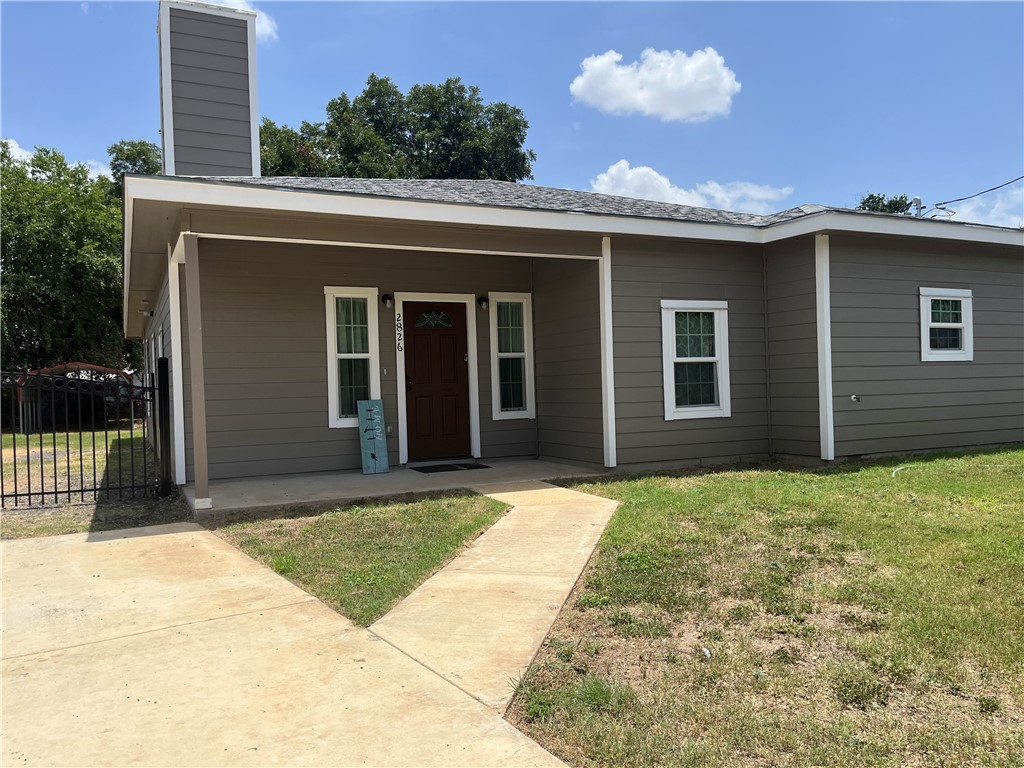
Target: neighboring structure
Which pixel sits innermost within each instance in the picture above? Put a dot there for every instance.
(498, 319)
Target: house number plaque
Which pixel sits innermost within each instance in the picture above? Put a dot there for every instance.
(399, 328)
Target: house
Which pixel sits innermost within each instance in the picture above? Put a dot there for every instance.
(499, 320)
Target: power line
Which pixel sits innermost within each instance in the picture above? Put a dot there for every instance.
(960, 199)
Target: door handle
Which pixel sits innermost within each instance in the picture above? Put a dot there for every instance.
(408, 384)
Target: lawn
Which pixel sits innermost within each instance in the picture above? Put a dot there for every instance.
(868, 614)
(362, 559)
(52, 467)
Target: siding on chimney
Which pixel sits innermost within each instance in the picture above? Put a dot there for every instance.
(210, 85)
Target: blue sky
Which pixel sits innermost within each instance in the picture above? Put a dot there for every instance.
(746, 106)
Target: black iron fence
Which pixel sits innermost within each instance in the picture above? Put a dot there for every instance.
(82, 435)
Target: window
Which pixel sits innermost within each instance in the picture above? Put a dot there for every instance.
(695, 349)
(947, 327)
(353, 352)
(511, 356)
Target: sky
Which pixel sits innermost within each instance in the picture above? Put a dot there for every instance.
(756, 106)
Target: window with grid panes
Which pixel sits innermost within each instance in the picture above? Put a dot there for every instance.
(696, 365)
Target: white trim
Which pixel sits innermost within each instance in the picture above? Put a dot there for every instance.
(474, 375)
(530, 411)
(332, 292)
(965, 297)
(177, 374)
(166, 105)
(254, 110)
(240, 195)
(396, 246)
(607, 325)
(213, 10)
(720, 310)
(823, 306)
(126, 259)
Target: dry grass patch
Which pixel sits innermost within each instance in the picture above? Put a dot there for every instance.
(801, 618)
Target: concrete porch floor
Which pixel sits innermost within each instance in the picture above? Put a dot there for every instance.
(314, 488)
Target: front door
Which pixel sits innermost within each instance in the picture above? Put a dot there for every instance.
(437, 380)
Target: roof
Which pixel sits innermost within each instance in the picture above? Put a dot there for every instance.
(508, 194)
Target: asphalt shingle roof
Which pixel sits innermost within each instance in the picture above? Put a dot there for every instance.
(507, 194)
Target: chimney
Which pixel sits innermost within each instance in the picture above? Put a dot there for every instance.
(209, 117)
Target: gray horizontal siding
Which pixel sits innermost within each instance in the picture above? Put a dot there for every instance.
(265, 350)
(643, 273)
(792, 347)
(567, 344)
(210, 98)
(905, 404)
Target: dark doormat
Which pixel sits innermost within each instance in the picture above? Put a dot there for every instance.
(431, 469)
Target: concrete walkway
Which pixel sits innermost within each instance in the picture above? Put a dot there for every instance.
(167, 646)
(479, 621)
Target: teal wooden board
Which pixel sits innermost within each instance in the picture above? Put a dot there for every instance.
(372, 440)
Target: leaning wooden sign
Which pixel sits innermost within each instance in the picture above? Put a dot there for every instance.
(372, 439)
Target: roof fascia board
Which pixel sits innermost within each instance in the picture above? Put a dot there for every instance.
(835, 221)
(198, 192)
(189, 192)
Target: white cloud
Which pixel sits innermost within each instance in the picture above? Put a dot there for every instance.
(1003, 208)
(647, 184)
(266, 26)
(96, 168)
(671, 85)
(17, 151)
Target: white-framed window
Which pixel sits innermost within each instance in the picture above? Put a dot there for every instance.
(947, 325)
(695, 352)
(353, 352)
(512, 387)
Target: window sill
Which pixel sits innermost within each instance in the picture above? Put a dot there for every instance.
(933, 356)
(676, 414)
(509, 415)
(344, 423)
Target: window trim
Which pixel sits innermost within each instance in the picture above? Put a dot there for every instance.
(721, 359)
(530, 411)
(966, 299)
(331, 293)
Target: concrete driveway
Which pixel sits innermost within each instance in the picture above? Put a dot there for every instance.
(167, 646)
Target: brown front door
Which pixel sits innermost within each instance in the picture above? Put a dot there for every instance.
(437, 380)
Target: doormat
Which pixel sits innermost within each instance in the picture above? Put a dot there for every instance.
(448, 467)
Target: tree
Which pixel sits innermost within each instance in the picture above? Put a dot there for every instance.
(60, 256)
(133, 156)
(441, 131)
(883, 204)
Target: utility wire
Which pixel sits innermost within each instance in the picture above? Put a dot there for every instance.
(960, 199)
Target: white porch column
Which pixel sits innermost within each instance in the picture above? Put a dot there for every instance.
(197, 374)
(607, 351)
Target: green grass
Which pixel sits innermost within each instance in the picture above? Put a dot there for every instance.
(362, 559)
(51, 463)
(857, 615)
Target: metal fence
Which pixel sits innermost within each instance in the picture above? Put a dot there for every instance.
(83, 435)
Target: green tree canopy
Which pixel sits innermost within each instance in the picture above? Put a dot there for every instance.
(441, 131)
(883, 204)
(133, 156)
(60, 255)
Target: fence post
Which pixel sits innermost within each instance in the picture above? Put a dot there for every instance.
(163, 423)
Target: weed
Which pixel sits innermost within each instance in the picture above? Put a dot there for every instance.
(988, 705)
(628, 625)
(856, 685)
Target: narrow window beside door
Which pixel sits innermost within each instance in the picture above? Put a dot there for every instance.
(353, 353)
(512, 390)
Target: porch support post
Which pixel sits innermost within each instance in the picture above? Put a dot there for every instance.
(607, 351)
(197, 375)
(823, 302)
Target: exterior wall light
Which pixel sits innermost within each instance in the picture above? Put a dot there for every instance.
(482, 303)
(386, 300)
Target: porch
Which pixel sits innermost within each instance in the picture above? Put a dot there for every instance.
(321, 488)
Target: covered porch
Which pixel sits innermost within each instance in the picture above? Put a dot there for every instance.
(252, 494)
